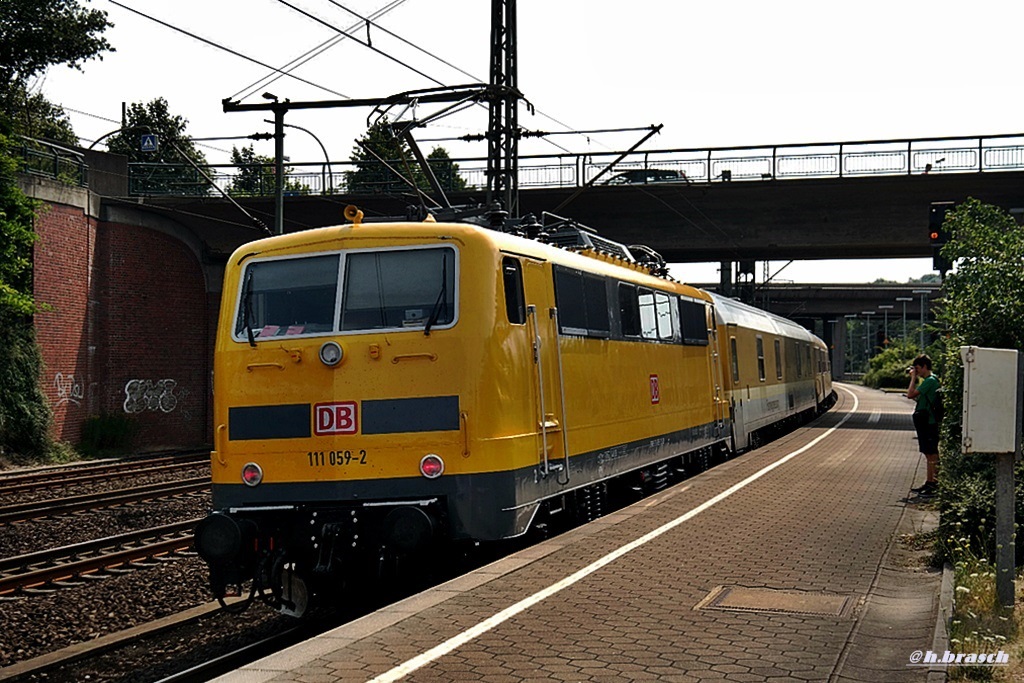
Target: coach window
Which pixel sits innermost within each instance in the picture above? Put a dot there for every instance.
(799, 360)
(778, 359)
(629, 310)
(515, 300)
(735, 360)
(760, 357)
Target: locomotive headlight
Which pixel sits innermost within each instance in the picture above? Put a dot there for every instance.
(331, 354)
(252, 474)
(431, 466)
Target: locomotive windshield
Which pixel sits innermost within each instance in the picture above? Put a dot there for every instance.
(388, 289)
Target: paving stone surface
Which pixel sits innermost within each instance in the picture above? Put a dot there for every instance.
(826, 520)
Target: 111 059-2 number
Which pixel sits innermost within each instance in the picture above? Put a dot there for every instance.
(336, 458)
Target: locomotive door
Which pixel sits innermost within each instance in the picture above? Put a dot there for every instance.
(545, 368)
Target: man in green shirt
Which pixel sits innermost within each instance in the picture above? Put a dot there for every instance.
(926, 395)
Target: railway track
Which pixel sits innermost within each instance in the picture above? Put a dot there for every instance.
(20, 482)
(20, 512)
(55, 567)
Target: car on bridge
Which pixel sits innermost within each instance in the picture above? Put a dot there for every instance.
(645, 176)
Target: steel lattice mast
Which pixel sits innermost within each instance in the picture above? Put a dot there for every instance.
(503, 123)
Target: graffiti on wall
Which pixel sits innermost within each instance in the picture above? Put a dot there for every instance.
(69, 389)
(146, 394)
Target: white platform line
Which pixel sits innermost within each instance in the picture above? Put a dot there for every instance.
(486, 625)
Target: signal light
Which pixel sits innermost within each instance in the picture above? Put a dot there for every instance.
(936, 217)
(431, 466)
(252, 474)
(937, 236)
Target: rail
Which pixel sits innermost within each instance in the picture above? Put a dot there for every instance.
(919, 156)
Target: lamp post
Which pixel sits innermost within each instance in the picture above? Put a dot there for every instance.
(923, 293)
(327, 159)
(867, 333)
(904, 299)
(850, 317)
(885, 325)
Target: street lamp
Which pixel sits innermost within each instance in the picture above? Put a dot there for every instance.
(327, 158)
(867, 332)
(923, 293)
(885, 326)
(904, 299)
(849, 343)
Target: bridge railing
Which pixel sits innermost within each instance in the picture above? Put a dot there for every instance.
(50, 160)
(922, 156)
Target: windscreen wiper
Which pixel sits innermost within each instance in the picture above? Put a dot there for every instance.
(442, 298)
(247, 307)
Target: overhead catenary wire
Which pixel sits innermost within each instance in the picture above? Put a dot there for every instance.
(227, 49)
(365, 44)
(307, 56)
(369, 45)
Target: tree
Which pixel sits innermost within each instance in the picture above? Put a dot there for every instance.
(34, 116)
(445, 170)
(171, 172)
(38, 34)
(155, 118)
(41, 33)
(372, 176)
(256, 175)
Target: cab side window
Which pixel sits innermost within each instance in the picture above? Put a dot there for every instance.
(515, 300)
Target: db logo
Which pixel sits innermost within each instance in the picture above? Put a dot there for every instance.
(655, 390)
(335, 418)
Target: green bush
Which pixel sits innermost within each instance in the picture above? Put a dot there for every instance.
(889, 368)
(24, 410)
(106, 434)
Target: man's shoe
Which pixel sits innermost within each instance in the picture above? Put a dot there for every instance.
(927, 489)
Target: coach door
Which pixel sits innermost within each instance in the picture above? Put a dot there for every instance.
(545, 368)
(721, 405)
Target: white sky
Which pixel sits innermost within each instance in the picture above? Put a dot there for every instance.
(715, 73)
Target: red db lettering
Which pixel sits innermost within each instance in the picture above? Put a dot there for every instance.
(335, 418)
(655, 390)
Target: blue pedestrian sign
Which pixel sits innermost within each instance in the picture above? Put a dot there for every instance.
(149, 142)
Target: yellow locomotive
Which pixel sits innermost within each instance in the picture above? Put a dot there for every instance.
(381, 388)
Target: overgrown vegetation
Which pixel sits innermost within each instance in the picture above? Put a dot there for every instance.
(984, 304)
(980, 623)
(36, 35)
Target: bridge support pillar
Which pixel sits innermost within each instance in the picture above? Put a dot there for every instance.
(836, 329)
(725, 278)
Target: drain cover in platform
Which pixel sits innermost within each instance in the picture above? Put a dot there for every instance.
(742, 599)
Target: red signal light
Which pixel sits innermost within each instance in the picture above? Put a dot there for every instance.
(934, 235)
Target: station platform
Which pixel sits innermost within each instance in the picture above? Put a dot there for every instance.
(786, 563)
